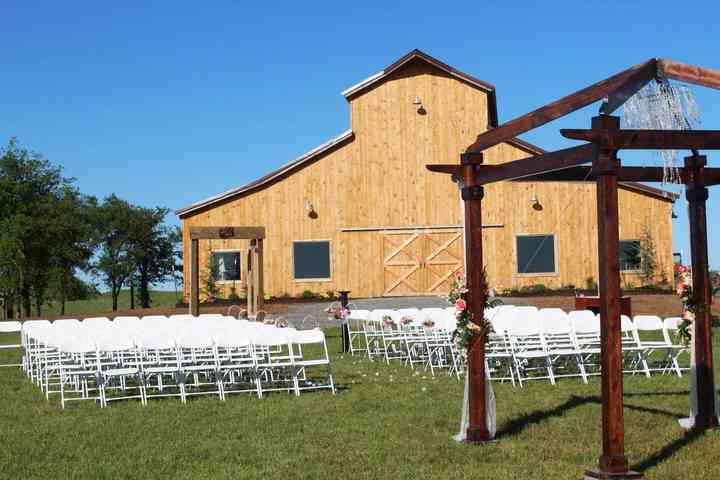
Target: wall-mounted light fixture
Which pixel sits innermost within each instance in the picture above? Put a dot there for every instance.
(310, 209)
(419, 105)
(536, 205)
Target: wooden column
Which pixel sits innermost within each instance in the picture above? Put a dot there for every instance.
(697, 195)
(472, 195)
(260, 287)
(251, 279)
(612, 462)
(194, 278)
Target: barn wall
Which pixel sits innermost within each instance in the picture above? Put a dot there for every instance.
(378, 179)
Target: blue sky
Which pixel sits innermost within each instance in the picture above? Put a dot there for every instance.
(165, 103)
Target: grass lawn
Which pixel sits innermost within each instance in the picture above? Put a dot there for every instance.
(385, 422)
(102, 303)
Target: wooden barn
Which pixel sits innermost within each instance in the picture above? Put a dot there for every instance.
(362, 213)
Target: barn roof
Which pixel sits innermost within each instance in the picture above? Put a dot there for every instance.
(361, 87)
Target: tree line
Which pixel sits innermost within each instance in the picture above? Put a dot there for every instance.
(52, 237)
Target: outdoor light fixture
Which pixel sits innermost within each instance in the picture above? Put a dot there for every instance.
(310, 209)
(536, 203)
(418, 103)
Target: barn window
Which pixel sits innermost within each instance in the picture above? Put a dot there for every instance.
(311, 260)
(226, 266)
(535, 254)
(629, 255)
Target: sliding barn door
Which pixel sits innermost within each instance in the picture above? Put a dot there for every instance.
(421, 262)
(402, 260)
(443, 259)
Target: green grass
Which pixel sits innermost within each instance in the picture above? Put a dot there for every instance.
(103, 303)
(385, 422)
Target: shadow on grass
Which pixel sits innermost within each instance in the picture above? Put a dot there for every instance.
(668, 451)
(516, 426)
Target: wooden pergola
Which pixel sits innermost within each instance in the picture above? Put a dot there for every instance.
(253, 262)
(603, 140)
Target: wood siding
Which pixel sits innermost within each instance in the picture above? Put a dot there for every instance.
(378, 179)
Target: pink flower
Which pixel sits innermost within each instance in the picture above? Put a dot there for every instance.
(460, 304)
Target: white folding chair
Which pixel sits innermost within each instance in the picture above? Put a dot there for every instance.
(670, 329)
(303, 361)
(557, 334)
(10, 328)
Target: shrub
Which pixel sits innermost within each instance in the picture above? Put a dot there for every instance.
(590, 283)
(307, 294)
(233, 297)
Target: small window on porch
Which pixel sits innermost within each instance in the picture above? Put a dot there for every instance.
(226, 266)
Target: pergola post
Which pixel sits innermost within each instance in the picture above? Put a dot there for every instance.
(472, 195)
(612, 462)
(194, 278)
(697, 195)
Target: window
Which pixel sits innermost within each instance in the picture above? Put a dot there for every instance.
(535, 254)
(311, 260)
(629, 255)
(226, 266)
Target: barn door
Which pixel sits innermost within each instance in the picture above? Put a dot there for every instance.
(443, 259)
(402, 260)
(421, 262)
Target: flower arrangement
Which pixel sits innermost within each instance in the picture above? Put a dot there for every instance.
(388, 321)
(468, 326)
(406, 320)
(337, 313)
(685, 292)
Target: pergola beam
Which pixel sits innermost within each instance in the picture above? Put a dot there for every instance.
(622, 81)
(647, 139)
(705, 77)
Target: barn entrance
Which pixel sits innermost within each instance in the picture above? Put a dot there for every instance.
(420, 262)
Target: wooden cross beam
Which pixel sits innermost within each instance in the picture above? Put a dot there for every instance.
(705, 77)
(647, 139)
(525, 167)
(615, 88)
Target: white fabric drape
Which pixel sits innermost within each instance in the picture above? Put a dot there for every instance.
(689, 422)
(489, 408)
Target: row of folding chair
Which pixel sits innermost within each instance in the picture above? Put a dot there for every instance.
(171, 357)
(549, 343)
(414, 336)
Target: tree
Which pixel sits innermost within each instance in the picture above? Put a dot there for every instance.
(30, 189)
(153, 250)
(115, 223)
(648, 256)
(73, 223)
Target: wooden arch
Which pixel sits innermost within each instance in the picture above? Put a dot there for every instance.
(604, 139)
(254, 262)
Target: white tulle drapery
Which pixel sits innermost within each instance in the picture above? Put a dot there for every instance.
(689, 422)
(489, 408)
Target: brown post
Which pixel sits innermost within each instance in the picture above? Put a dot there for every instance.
(612, 462)
(697, 195)
(259, 287)
(251, 279)
(472, 195)
(194, 278)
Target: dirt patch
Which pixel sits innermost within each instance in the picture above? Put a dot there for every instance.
(667, 305)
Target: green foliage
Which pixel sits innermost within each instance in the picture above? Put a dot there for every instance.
(537, 288)
(43, 228)
(233, 297)
(208, 279)
(648, 256)
(307, 294)
(590, 283)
